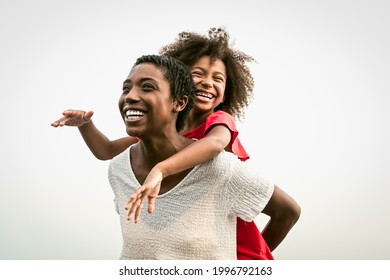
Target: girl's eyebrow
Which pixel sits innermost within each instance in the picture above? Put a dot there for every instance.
(201, 68)
(198, 67)
(220, 73)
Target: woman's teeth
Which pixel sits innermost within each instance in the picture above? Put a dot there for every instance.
(134, 114)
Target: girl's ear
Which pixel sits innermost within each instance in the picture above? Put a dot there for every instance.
(180, 104)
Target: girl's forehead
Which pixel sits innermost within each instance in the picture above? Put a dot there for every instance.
(208, 62)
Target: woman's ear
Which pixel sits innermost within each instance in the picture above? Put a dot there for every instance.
(180, 104)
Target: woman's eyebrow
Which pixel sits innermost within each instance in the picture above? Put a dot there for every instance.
(129, 81)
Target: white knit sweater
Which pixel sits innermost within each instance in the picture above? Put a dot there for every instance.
(197, 218)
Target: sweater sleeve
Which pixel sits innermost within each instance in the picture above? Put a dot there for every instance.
(249, 192)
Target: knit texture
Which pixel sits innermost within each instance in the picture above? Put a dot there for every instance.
(197, 218)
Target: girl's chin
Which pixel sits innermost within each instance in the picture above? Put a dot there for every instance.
(203, 104)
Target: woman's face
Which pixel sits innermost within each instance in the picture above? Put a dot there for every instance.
(210, 82)
(146, 102)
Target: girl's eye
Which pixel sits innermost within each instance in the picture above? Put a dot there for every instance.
(219, 79)
(196, 74)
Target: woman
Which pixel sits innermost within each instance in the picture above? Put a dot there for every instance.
(198, 207)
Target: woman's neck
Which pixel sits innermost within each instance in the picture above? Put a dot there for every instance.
(152, 151)
(146, 154)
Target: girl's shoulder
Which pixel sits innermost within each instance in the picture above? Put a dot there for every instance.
(221, 114)
(221, 117)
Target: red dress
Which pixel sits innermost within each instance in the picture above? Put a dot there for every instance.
(250, 243)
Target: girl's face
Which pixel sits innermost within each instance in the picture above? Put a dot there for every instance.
(210, 81)
(146, 103)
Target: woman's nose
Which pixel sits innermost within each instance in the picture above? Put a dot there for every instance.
(132, 95)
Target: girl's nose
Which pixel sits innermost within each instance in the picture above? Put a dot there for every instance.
(207, 82)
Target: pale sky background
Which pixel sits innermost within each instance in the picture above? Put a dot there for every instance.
(319, 126)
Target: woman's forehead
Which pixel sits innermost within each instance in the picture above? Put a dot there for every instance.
(147, 70)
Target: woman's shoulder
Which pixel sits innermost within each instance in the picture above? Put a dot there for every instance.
(223, 161)
(121, 159)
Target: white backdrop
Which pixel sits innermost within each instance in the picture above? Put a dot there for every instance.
(318, 127)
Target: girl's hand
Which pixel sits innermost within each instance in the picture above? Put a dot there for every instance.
(149, 190)
(73, 118)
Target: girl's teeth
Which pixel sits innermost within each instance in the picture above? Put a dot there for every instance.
(205, 95)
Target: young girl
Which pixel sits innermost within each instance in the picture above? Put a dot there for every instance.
(224, 88)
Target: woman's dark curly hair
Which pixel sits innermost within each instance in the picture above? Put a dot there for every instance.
(190, 46)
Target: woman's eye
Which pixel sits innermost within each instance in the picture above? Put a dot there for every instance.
(147, 86)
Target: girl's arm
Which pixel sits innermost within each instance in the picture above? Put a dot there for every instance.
(97, 142)
(216, 140)
(102, 147)
(284, 212)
